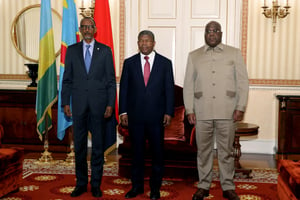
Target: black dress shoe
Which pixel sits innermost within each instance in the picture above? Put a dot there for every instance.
(79, 190)
(96, 192)
(231, 195)
(200, 194)
(134, 192)
(154, 195)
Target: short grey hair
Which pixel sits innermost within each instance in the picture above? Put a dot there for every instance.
(88, 18)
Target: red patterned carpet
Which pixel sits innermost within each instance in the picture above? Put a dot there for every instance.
(55, 182)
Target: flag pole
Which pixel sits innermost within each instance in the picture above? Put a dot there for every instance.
(47, 79)
(70, 160)
(46, 157)
(70, 35)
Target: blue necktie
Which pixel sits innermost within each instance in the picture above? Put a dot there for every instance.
(87, 59)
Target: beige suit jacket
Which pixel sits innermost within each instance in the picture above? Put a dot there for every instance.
(216, 82)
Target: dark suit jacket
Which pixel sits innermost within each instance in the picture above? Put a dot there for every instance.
(97, 89)
(149, 103)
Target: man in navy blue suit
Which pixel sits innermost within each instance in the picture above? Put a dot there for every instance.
(146, 106)
(89, 82)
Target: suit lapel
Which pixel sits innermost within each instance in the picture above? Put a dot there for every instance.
(95, 56)
(154, 68)
(80, 55)
(139, 71)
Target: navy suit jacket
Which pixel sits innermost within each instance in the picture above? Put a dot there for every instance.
(96, 89)
(147, 103)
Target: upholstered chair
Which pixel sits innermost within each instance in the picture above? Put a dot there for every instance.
(11, 167)
(180, 152)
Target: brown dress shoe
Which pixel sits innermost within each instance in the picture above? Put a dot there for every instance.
(230, 195)
(200, 194)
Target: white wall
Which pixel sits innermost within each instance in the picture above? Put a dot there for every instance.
(262, 110)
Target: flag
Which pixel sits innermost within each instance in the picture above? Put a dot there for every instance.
(46, 94)
(104, 35)
(70, 35)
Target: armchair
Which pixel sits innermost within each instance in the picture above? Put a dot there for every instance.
(180, 151)
(11, 167)
(288, 184)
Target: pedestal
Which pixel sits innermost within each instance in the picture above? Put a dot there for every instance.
(242, 129)
(32, 73)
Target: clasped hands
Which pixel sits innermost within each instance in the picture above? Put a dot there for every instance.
(237, 116)
(107, 114)
(166, 121)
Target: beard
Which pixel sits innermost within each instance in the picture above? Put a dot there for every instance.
(88, 36)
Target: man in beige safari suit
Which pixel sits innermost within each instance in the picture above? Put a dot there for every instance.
(215, 97)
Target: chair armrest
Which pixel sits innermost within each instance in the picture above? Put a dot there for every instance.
(1, 133)
(193, 137)
(123, 130)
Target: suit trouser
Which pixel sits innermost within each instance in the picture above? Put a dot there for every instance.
(224, 131)
(81, 126)
(139, 132)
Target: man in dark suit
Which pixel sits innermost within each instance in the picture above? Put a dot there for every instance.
(146, 105)
(89, 83)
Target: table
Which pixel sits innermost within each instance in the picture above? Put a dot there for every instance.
(242, 129)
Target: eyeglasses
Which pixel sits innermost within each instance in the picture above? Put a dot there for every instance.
(213, 31)
(87, 27)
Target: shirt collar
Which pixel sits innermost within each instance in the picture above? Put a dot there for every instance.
(91, 44)
(218, 48)
(150, 55)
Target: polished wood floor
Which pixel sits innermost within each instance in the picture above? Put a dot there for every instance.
(247, 160)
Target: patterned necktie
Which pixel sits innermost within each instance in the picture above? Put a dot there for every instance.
(146, 70)
(87, 58)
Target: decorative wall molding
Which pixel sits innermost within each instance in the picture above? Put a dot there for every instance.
(13, 77)
(244, 29)
(122, 37)
(274, 82)
(258, 146)
(253, 82)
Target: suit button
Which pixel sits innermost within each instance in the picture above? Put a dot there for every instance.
(213, 72)
(213, 97)
(213, 84)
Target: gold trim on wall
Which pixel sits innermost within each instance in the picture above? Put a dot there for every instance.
(252, 81)
(122, 38)
(274, 82)
(244, 29)
(14, 77)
